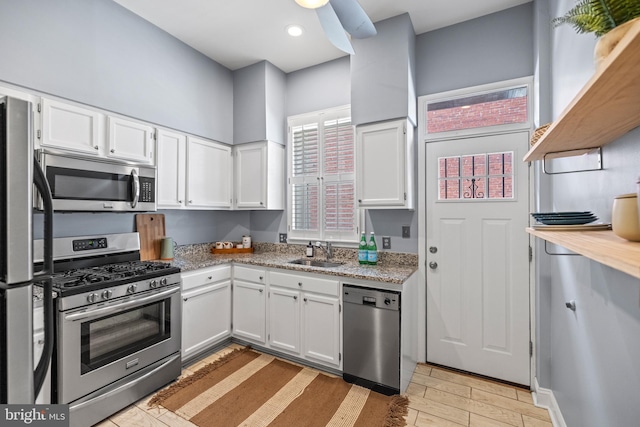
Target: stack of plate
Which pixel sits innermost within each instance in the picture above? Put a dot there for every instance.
(564, 218)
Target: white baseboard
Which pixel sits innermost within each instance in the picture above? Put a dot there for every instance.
(544, 398)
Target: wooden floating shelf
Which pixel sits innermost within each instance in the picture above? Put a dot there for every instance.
(602, 246)
(606, 108)
(232, 251)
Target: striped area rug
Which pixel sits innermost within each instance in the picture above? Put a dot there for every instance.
(247, 388)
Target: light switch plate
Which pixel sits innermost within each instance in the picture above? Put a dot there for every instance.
(283, 238)
(386, 242)
(406, 231)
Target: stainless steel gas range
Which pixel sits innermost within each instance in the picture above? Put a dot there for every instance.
(117, 324)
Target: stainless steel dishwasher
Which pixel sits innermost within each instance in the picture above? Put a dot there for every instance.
(371, 334)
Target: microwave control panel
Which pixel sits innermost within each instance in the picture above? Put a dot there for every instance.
(147, 190)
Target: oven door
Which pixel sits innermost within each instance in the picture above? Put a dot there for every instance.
(105, 342)
(90, 185)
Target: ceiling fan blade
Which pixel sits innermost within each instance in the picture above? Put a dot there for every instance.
(353, 18)
(333, 28)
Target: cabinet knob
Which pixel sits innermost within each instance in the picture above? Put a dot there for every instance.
(261, 290)
(261, 204)
(433, 265)
(210, 277)
(299, 283)
(112, 150)
(571, 305)
(180, 201)
(359, 200)
(185, 299)
(260, 277)
(95, 147)
(40, 342)
(305, 300)
(295, 297)
(190, 202)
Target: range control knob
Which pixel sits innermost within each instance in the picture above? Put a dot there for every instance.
(107, 294)
(92, 297)
(163, 281)
(153, 284)
(132, 288)
(387, 301)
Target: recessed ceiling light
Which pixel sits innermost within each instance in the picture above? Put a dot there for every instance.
(294, 30)
(312, 4)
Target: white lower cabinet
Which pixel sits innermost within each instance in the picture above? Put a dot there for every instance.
(284, 320)
(321, 320)
(249, 304)
(304, 317)
(206, 309)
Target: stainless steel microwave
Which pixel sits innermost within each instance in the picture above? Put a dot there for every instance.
(94, 185)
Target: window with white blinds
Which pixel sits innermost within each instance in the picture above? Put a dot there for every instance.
(322, 203)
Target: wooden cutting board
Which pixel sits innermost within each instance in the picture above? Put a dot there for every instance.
(151, 230)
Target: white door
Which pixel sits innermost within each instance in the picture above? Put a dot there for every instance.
(206, 317)
(321, 320)
(249, 311)
(251, 174)
(478, 255)
(209, 174)
(128, 140)
(284, 320)
(172, 152)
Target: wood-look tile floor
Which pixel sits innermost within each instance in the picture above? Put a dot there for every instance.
(437, 398)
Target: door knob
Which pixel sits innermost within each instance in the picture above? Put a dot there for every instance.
(433, 249)
(433, 265)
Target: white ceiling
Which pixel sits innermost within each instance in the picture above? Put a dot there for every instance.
(237, 33)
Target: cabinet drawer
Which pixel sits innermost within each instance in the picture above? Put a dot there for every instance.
(255, 275)
(193, 279)
(304, 283)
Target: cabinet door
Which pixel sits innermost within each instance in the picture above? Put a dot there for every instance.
(249, 311)
(284, 320)
(381, 165)
(72, 128)
(172, 153)
(128, 140)
(209, 174)
(251, 176)
(206, 317)
(321, 320)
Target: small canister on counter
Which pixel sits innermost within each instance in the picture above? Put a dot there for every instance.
(246, 241)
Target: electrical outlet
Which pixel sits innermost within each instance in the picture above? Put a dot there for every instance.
(386, 242)
(283, 237)
(406, 231)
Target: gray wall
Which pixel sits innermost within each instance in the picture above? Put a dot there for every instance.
(589, 358)
(98, 53)
(488, 49)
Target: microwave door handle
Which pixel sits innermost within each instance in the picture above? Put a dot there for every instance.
(136, 187)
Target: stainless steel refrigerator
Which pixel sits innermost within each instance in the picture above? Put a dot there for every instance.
(19, 173)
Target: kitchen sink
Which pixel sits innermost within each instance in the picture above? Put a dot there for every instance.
(316, 263)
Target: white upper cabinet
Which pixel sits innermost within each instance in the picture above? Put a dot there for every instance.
(129, 140)
(384, 162)
(72, 128)
(209, 174)
(259, 176)
(172, 160)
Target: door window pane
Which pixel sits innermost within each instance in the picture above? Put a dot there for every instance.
(476, 176)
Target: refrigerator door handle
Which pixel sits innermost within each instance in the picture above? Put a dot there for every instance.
(40, 181)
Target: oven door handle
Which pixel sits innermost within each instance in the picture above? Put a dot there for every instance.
(99, 312)
(136, 188)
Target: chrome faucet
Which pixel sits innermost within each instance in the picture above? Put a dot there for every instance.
(327, 249)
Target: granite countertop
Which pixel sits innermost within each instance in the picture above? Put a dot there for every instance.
(393, 267)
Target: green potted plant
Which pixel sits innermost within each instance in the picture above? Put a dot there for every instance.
(607, 19)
